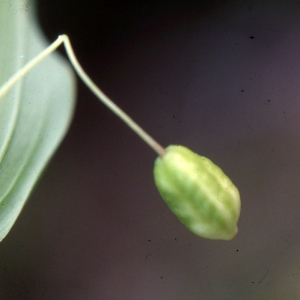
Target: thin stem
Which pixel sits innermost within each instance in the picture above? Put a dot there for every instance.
(108, 102)
(30, 65)
(87, 80)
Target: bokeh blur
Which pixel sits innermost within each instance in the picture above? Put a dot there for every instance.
(220, 77)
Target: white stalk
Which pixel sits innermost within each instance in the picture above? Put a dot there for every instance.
(87, 80)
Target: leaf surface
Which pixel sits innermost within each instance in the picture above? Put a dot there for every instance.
(35, 114)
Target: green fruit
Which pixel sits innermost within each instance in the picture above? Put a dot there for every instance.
(198, 192)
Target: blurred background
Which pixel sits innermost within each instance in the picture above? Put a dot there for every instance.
(220, 77)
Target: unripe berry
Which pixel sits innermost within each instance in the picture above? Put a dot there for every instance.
(198, 192)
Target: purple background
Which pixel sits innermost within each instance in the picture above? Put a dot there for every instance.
(222, 78)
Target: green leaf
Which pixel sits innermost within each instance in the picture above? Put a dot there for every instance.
(34, 114)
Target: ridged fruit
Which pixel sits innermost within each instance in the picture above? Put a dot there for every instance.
(198, 192)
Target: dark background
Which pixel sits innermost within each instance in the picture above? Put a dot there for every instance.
(220, 77)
